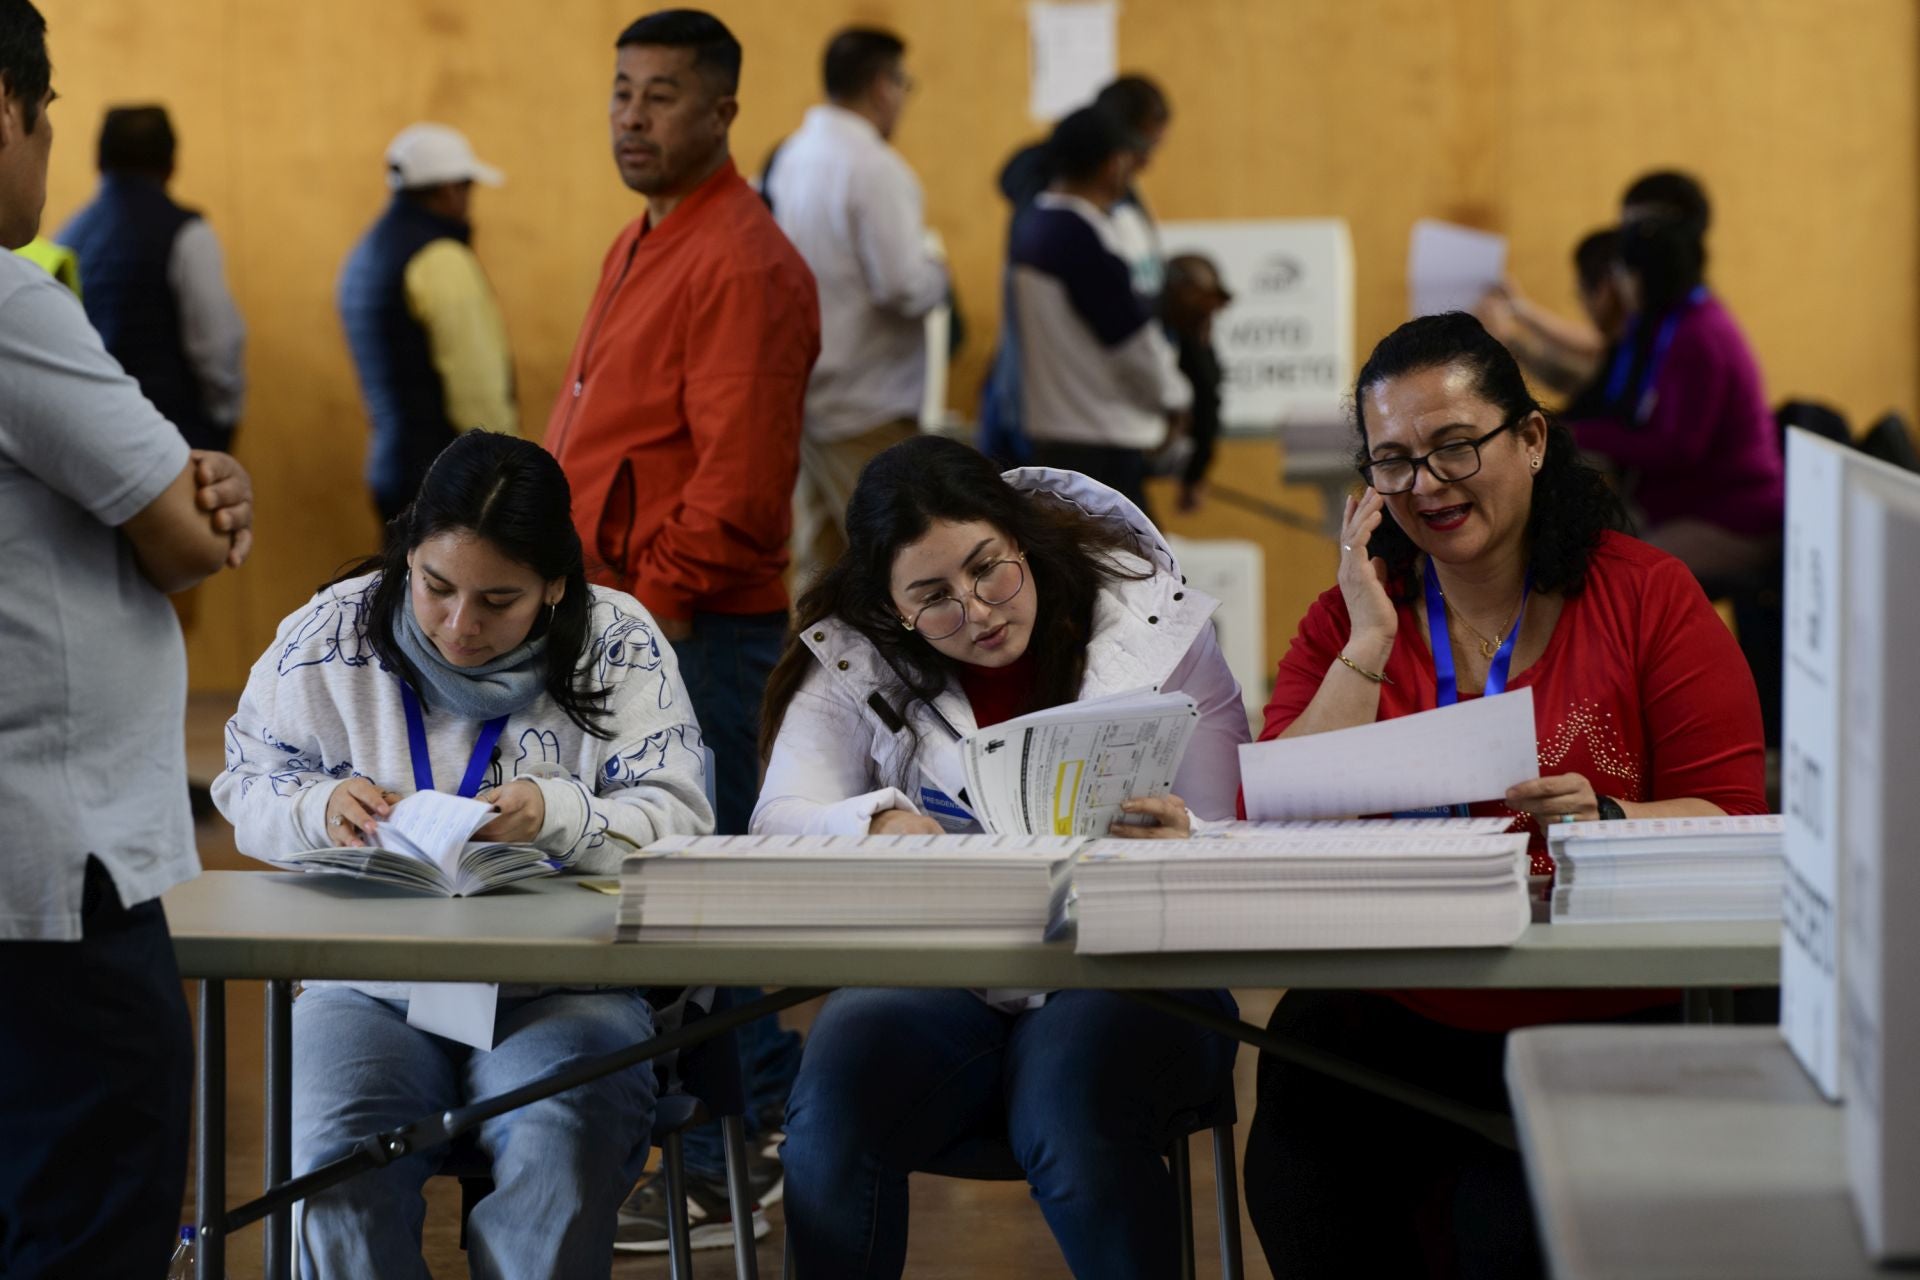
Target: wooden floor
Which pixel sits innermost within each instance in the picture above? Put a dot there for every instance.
(960, 1230)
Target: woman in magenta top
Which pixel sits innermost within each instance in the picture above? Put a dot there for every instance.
(1484, 556)
(1686, 415)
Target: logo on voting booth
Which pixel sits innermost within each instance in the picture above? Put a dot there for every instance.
(1278, 274)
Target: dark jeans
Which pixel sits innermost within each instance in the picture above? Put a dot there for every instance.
(96, 1082)
(726, 663)
(1122, 470)
(1087, 1090)
(1341, 1181)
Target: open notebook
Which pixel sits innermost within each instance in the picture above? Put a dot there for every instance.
(1065, 771)
(425, 845)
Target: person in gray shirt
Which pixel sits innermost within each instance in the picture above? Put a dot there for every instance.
(103, 510)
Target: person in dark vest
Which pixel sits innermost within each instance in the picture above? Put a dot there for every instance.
(156, 286)
(421, 319)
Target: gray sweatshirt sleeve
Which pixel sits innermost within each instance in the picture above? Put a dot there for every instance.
(650, 775)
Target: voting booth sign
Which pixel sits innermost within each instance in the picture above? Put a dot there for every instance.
(1810, 765)
(1848, 1006)
(1286, 340)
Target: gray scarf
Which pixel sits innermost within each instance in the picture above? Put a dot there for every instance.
(509, 683)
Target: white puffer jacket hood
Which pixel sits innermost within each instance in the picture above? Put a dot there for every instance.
(848, 749)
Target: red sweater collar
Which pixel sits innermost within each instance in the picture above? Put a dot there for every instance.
(998, 693)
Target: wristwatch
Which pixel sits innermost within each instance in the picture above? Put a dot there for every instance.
(1610, 810)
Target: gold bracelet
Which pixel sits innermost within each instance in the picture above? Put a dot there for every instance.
(1378, 677)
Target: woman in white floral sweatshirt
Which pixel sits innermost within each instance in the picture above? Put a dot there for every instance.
(557, 703)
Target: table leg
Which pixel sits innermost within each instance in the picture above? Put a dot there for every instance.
(279, 1154)
(210, 1155)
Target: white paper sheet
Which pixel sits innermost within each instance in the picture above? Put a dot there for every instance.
(434, 824)
(1450, 268)
(1454, 755)
(1073, 53)
(461, 1011)
(1360, 826)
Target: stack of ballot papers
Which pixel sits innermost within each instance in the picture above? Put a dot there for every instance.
(424, 844)
(1315, 886)
(1666, 869)
(1065, 771)
(912, 888)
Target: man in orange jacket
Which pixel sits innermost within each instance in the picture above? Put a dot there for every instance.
(678, 426)
(679, 420)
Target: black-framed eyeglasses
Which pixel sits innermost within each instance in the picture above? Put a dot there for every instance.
(1457, 461)
(993, 583)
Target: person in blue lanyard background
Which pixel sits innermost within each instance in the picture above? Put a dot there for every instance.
(1563, 354)
(1683, 413)
(471, 655)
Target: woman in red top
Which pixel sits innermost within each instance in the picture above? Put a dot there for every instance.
(1502, 567)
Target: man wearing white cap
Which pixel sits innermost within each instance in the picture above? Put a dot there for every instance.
(421, 319)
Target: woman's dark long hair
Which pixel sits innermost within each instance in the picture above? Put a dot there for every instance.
(1668, 260)
(1069, 556)
(1667, 257)
(511, 493)
(1572, 503)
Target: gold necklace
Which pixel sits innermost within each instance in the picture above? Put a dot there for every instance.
(1488, 647)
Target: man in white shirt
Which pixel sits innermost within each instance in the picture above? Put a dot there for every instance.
(853, 209)
(155, 285)
(102, 510)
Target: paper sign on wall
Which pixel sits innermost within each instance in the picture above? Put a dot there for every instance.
(1285, 342)
(1073, 53)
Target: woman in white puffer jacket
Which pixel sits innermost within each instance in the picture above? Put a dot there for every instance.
(966, 598)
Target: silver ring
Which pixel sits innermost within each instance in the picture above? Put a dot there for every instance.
(1568, 817)
(339, 820)
(1345, 547)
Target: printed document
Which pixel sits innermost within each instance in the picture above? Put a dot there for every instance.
(1065, 771)
(1453, 755)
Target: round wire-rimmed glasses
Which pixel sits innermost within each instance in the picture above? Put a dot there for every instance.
(994, 583)
(1450, 462)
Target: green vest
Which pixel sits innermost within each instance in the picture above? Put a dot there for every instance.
(59, 261)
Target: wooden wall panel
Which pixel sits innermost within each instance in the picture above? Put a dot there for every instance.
(1522, 116)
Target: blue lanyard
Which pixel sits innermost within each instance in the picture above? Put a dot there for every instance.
(423, 763)
(1623, 358)
(1442, 640)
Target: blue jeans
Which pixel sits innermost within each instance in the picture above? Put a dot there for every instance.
(1089, 1090)
(560, 1166)
(726, 663)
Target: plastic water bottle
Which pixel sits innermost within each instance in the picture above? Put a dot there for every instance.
(182, 1267)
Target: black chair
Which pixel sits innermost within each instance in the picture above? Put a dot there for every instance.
(990, 1158)
(711, 1085)
(1891, 440)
